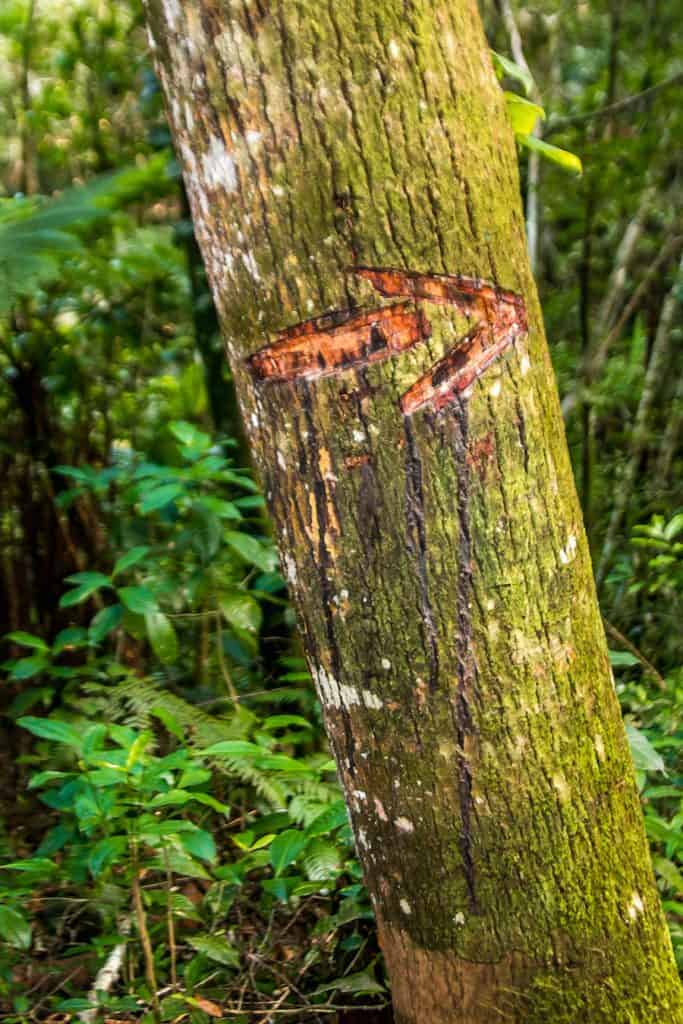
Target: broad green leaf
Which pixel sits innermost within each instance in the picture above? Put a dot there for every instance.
(198, 844)
(14, 928)
(362, 982)
(570, 161)
(232, 748)
(32, 865)
(284, 721)
(645, 757)
(26, 668)
(332, 817)
(130, 559)
(285, 848)
(219, 507)
(169, 721)
(162, 636)
(89, 579)
(622, 659)
(104, 622)
(190, 436)
(215, 947)
(47, 776)
(282, 763)
(241, 610)
(137, 749)
(52, 729)
(523, 113)
(507, 68)
(106, 852)
(139, 600)
(158, 497)
(251, 550)
(27, 640)
(181, 863)
(88, 583)
(69, 639)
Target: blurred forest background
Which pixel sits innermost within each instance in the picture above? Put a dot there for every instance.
(171, 831)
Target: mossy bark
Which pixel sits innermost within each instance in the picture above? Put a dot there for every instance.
(434, 549)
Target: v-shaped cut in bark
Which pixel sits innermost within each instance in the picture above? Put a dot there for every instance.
(341, 340)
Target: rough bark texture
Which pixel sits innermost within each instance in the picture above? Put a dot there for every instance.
(416, 469)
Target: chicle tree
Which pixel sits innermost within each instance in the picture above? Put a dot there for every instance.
(354, 187)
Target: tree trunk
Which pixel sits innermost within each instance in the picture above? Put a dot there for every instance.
(407, 429)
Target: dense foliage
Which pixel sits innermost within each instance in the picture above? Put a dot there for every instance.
(172, 832)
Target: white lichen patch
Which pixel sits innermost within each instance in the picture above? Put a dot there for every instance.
(289, 566)
(636, 906)
(360, 794)
(251, 265)
(495, 388)
(172, 12)
(568, 552)
(599, 745)
(459, 918)
(524, 365)
(379, 810)
(561, 787)
(335, 694)
(404, 824)
(405, 907)
(386, 664)
(218, 167)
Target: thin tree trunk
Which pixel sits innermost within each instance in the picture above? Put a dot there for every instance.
(533, 159)
(407, 429)
(651, 384)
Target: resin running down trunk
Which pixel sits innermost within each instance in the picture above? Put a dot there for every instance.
(354, 187)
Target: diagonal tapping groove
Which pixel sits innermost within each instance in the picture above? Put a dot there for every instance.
(339, 341)
(344, 339)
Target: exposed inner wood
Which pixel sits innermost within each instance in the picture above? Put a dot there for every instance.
(340, 340)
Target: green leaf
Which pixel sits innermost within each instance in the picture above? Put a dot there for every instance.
(232, 748)
(52, 729)
(26, 668)
(332, 817)
(139, 600)
(181, 863)
(215, 947)
(241, 610)
(645, 757)
(106, 852)
(199, 844)
(356, 983)
(523, 113)
(27, 640)
(622, 659)
(563, 157)
(104, 622)
(14, 928)
(162, 636)
(169, 721)
(284, 721)
(285, 848)
(251, 550)
(158, 497)
(88, 583)
(130, 559)
(137, 749)
(69, 639)
(506, 68)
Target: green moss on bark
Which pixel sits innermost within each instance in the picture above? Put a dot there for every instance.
(438, 562)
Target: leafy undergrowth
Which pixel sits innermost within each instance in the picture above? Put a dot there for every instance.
(185, 852)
